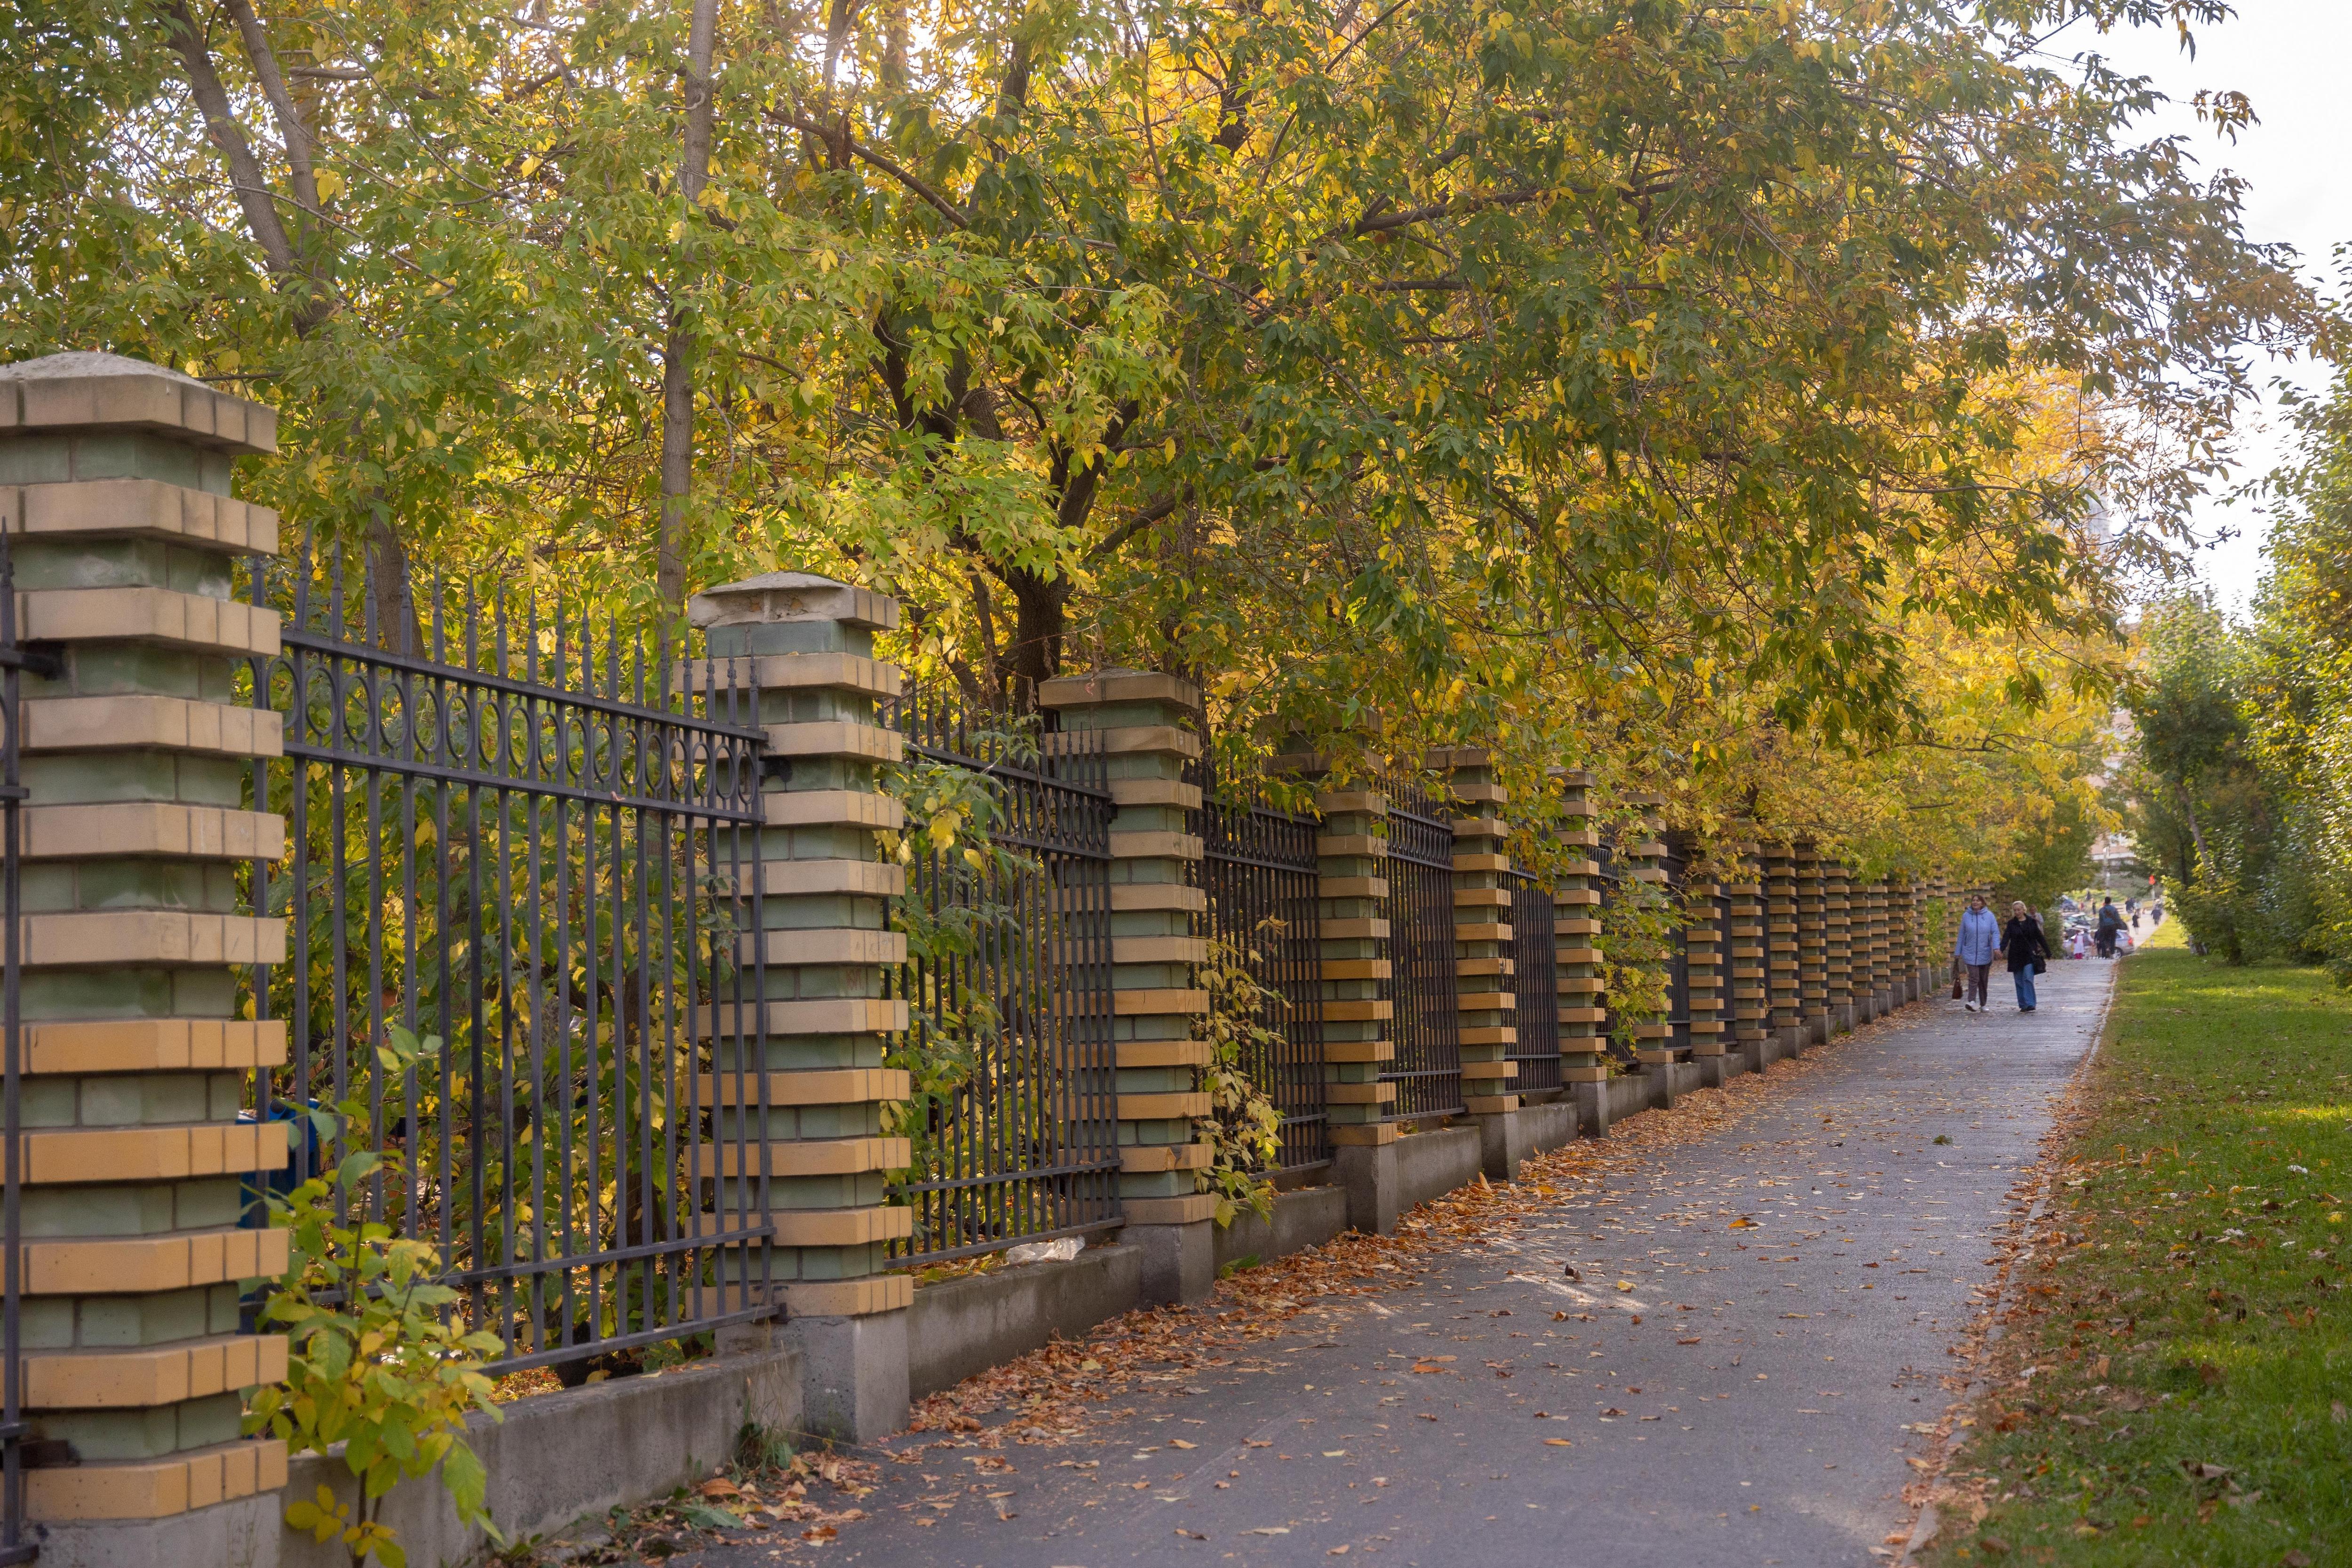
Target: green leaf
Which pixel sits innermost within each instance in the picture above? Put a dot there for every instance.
(704, 1516)
(467, 1481)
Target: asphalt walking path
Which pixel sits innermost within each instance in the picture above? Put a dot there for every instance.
(1754, 1340)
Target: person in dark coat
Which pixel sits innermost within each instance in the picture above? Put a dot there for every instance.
(2025, 946)
(2111, 921)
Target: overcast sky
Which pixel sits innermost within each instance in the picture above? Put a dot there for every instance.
(2289, 57)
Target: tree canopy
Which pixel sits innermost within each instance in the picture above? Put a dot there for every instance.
(1725, 388)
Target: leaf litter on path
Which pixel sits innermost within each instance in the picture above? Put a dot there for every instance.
(1061, 1393)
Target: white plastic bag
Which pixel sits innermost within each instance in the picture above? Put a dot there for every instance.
(1057, 1251)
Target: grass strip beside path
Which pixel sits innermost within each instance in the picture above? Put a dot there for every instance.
(2171, 1387)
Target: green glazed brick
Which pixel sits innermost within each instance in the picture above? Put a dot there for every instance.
(100, 1434)
(790, 636)
(792, 1053)
(822, 911)
(208, 1203)
(121, 993)
(139, 1099)
(126, 1322)
(146, 1210)
(45, 1322)
(148, 884)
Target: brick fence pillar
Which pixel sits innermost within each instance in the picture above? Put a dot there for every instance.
(802, 1082)
(1837, 918)
(137, 752)
(1486, 998)
(1813, 947)
(1784, 951)
(1487, 987)
(1577, 978)
(1881, 987)
(1351, 902)
(1750, 998)
(1644, 859)
(1150, 725)
(1703, 944)
(1902, 942)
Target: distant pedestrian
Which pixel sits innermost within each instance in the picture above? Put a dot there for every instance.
(1978, 942)
(2110, 921)
(2027, 951)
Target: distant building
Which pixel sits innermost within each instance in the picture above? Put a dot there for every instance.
(2115, 855)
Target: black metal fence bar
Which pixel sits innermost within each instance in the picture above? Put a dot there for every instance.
(1014, 1125)
(498, 933)
(1676, 863)
(1259, 870)
(1427, 1070)
(1533, 953)
(15, 1546)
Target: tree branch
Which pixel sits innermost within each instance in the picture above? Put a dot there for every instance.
(291, 131)
(1153, 513)
(261, 219)
(1381, 223)
(880, 160)
(678, 349)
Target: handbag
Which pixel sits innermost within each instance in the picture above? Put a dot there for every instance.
(2041, 966)
(1956, 977)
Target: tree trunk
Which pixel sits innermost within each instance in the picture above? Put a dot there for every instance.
(678, 349)
(391, 599)
(1040, 618)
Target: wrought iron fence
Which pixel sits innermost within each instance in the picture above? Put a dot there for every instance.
(1260, 873)
(1014, 1119)
(15, 1546)
(502, 823)
(1534, 952)
(1426, 1027)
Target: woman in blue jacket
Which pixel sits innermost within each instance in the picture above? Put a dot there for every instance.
(1978, 943)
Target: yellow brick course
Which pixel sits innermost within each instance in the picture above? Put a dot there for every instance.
(1162, 1107)
(149, 615)
(152, 828)
(849, 1297)
(152, 1374)
(151, 1044)
(825, 1086)
(168, 723)
(116, 1263)
(156, 1488)
(841, 1228)
(109, 937)
(169, 1152)
(144, 508)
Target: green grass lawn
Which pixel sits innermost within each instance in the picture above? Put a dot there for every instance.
(2185, 1314)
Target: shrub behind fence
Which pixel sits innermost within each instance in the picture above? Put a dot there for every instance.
(1014, 1124)
(1426, 1022)
(1258, 868)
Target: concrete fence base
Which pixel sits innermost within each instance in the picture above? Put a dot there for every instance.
(1508, 1140)
(959, 1328)
(557, 1462)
